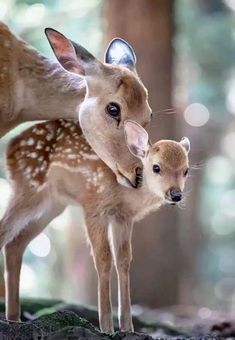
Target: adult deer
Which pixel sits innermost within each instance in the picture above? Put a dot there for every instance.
(100, 95)
(50, 166)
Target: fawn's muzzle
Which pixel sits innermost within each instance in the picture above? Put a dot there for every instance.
(175, 195)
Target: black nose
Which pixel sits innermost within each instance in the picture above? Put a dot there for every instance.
(176, 195)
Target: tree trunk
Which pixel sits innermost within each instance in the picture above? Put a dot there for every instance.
(148, 26)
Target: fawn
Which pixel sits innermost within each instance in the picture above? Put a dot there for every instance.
(100, 95)
(51, 165)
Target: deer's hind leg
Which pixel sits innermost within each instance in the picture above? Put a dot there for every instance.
(21, 210)
(13, 253)
(98, 237)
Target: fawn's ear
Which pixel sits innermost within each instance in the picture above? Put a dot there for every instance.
(185, 142)
(119, 52)
(137, 139)
(71, 56)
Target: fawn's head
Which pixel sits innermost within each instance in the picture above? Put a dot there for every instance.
(114, 94)
(165, 163)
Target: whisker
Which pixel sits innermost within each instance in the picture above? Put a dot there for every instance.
(169, 110)
(181, 205)
(197, 166)
(186, 194)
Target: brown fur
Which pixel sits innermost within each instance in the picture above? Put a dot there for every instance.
(172, 157)
(36, 88)
(71, 173)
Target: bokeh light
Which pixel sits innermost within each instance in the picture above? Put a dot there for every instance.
(230, 4)
(204, 313)
(230, 97)
(219, 170)
(228, 143)
(40, 246)
(196, 114)
(225, 289)
(27, 279)
(60, 222)
(34, 14)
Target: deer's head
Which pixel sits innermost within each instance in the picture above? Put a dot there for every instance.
(165, 163)
(114, 94)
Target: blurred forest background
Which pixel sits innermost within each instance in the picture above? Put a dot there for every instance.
(186, 58)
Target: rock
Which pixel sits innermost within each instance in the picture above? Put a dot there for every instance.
(74, 333)
(19, 331)
(59, 325)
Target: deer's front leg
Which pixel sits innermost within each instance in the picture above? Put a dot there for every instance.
(121, 232)
(97, 233)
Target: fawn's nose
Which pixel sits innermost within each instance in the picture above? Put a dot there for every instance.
(176, 195)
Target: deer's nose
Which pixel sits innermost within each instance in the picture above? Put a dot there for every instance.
(176, 195)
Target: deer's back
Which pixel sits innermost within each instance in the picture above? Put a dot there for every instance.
(8, 70)
(57, 144)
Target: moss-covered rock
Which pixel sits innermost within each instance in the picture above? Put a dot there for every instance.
(59, 325)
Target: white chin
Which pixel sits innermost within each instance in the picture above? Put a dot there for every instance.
(123, 181)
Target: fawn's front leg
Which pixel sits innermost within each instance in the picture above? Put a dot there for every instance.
(102, 256)
(120, 237)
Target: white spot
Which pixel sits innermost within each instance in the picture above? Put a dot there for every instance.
(72, 156)
(33, 154)
(100, 189)
(39, 131)
(39, 145)
(30, 141)
(68, 124)
(42, 167)
(28, 170)
(90, 156)
(49, 137)
(47, 148)
(68, 150)
(22, 143)
(61, 135)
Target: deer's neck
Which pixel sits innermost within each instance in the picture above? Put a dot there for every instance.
(139, 202)
(49, 92)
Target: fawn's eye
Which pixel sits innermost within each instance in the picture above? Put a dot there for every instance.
(113, 110)
(186, 172)
(156, 168)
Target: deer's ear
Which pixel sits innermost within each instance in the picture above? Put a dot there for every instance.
(71, 56)
(119, 52)
(185, 142)
(137, 139)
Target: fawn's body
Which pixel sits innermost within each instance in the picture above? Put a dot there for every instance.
(100, 95)
(50, 166)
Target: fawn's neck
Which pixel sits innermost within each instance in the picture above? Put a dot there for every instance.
(50, 92)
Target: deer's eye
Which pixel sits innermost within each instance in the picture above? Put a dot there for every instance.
(114, 111)
(156, 168)
(186, 172)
